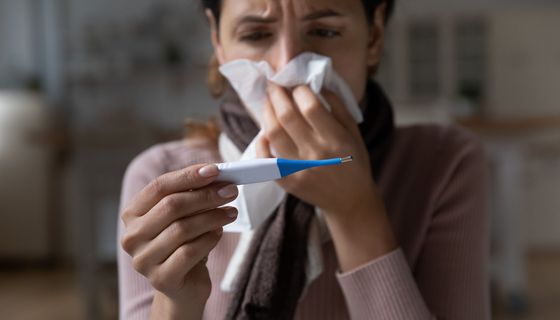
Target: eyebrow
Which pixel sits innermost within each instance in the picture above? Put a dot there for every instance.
(321, 14)
(255, 19)
(312, 16)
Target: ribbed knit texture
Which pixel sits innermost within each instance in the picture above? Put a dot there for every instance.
(434, 187)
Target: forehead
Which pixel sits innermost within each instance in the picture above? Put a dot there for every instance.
(236, 8)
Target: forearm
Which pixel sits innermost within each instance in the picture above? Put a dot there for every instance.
(361, 235)
(164, 308)
(374, 276)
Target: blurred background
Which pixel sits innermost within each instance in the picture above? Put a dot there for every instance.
(87, 85)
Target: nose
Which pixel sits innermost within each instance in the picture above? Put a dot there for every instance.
(288, 46)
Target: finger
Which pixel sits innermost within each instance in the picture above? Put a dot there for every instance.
(181, 205)
(180, 232)
(263, 147)
(173, 270)
(342, 113)
(193, 177)
(276, 134)
(197, 274)
(288, 114)
(315, 113)
(174, 207)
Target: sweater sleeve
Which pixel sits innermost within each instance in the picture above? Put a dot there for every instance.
(135, 292)
(450, 278)
(383, 289)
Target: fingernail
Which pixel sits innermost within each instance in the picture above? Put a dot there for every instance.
(231, 213)
(208, 171)
(227, 192)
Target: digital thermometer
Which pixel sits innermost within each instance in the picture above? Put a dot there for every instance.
(268, 169)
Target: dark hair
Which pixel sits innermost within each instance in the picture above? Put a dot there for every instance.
(369, 7)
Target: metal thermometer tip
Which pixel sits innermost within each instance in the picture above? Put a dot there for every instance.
(346, 159)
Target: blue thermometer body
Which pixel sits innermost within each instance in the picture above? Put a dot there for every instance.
(268, 169)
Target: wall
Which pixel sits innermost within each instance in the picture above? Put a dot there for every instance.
(525, 83)
(541, 187)
(525, 63)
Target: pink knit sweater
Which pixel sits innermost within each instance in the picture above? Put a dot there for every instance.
(434, 186)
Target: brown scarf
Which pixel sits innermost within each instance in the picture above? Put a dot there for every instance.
(273, 278)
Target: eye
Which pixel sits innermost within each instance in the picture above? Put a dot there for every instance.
(324, 33)
(255, 36)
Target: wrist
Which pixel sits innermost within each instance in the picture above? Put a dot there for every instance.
(361, 234)
(367, 205)
(164, 307)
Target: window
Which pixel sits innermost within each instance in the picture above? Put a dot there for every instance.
(423, 61)
(471, 59)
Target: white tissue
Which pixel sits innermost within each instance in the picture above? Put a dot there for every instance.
(250, 80)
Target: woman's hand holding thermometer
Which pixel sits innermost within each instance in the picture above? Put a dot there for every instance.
(170, 227)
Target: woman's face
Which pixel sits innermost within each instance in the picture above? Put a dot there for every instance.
(278, 30)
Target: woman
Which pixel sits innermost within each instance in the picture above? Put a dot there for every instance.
(407, 230)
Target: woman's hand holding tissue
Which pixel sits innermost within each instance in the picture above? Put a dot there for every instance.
(170, 228)
(298, 126)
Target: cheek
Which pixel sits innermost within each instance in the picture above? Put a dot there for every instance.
(236, 52)
(233, 52)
